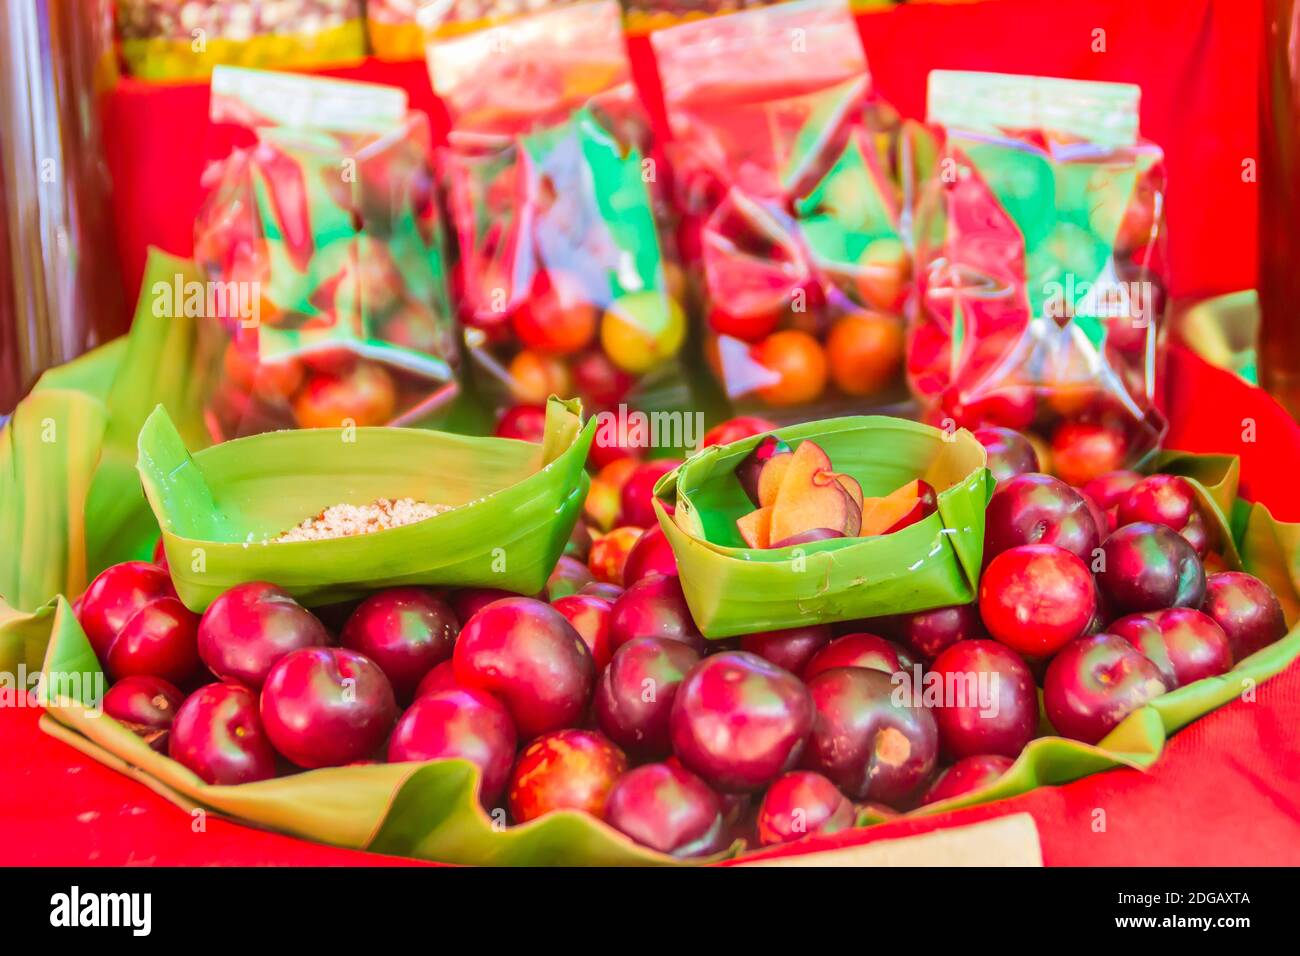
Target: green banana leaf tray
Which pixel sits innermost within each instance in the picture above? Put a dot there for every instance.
(732, 589)
(513, 507)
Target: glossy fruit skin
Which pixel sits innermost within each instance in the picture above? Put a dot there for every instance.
(966, 776)
(603, 590)
(751, 465)
(467, 602)
(529, 655)
(146, 705)
(1247, 610)
(440, 677)
(1009, 452)
(459, 723)
(1109, 490)
(739, 721)
(1161, 499)
(652, 554)
(406, 631)
(799, 363)
(790, 649)
(1037, 598)
(968, 727)
(869, 746)
(137, 626)
(1148, 567)
(250, 627)
(568, 577)
(1184, 644)
(860, 650)
(811, 536)
(929, 633)
(635, 694)
(1038, 509)
(523, 423)
(564, 770)
(801, 803)
(654, 607)
(667, 808)
(638, 492)
(218, 735)
(609, 553)
(1094, 683)
(590, 616)
(327, 706)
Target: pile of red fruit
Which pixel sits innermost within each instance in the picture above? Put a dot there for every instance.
(601, 695)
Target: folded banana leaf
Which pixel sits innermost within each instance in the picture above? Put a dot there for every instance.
(425, 810)
(70, 500)
(732, 589)
(513, 507)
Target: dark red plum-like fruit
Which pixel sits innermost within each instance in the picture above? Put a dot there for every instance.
(1037, 598)
(250, 627)
(748, 470)
(635, 693)
(327, 706)
(637, 494)
(1160, 499)
(654, 607)
(467, 602)
(1247, 610)
(569, 577)
(868, 743)
(440, 677)
(1038, 509)
(1094, 683)
(146, 706)
(860, 650)
(459, 723)
(667, 808)
(800, 803)
(735, 429)
(1009, 452)
(137, 626)
(1107, 491)
(406, 631)
(564, 770)
(590, 616)
(739, 721)
(791, 649)
(1146, 567)
(966, 776)
(1185, 645)
(986, 699)
(930, 633)
(217, 734)
(603, 589)
(529, 655)
(652, 554)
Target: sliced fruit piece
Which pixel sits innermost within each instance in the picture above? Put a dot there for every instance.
(903, 506)
(854, 489)
(926, 503)
(750, 471)
(771, 476)
(756, 527)
(808, 537)
(810, 496)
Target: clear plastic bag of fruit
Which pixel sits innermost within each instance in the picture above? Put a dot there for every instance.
(321, 241)
(183, 39)
(563, 286)
(1039, 236)
(782, 163)
(398, 29)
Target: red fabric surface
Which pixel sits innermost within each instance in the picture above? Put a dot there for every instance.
(1224, 792)
(1195, 60)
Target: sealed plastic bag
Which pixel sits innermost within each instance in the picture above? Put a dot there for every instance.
(183, 39)
(321, 240)
(782, 163)
(1039, 269)
(562, 282)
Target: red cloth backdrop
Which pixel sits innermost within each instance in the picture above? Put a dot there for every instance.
(1224, 791)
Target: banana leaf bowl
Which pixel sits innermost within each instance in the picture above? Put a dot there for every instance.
(733, 589)
(513, 505)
